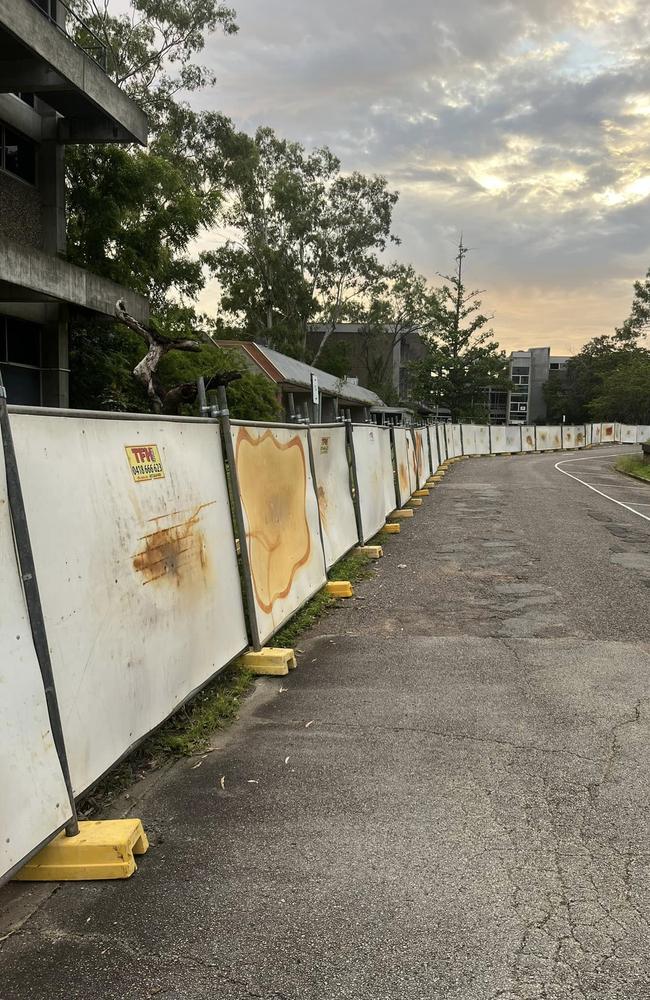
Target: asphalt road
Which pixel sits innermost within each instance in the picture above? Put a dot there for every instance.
(448, 799)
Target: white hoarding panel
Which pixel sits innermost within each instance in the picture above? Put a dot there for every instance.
(450, 442)
(372, 476)
(498, 439)
(458, 446)
(482, 439)
(580, 436)
(607, 434)
(335, 505)
(421, 470)
(443, 450)
(568, 437)
(139, 579)
(527, 438)
(433, 442)
(468, 437)
(513, 439)
(628, 434)
(588, 433)
(549, 438)
(33, 801)
(596, 433)
(282, 522)
(642, 433)
(404, 463)
(387, 471)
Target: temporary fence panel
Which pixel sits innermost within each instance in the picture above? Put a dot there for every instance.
(580, 436)
(403, 464)
(642, 434)
(450, 437)
(588, 434)
(527, 438)
(441, 434)
(135, 552)
(607, 434)
(387, 471)
(482, 435)
(458, 444)
(513, 439)
(468, 435)
(568, 437)
(335, 504)
(372, 476)
(596, 430)
(498, 439)
(34, 801)
(433, 444)
(627, 434)
(280, 507)
(548, 438)
(421, 470)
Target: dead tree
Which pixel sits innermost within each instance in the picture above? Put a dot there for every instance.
(162, 400)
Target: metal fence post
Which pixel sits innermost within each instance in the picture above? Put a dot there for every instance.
(312, 469)
(224, 417)
(33, 600)
(355, 481)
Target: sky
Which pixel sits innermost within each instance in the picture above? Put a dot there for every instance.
(525, 125)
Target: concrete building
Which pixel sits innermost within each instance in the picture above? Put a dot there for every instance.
(52, 92)
(529, 372)
(381, 359)
(293, 380)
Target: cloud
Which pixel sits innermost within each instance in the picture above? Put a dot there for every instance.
(523, 123)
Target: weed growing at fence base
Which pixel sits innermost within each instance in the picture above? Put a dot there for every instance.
(187, 732)
(352, 568)
(634, 466)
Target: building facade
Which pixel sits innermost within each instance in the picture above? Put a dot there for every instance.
(53, 92)
(529, 372)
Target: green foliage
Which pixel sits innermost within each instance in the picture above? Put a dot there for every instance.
(462, 356)
(624, 393)
(634, 465)
(307, 243)
(335, 359)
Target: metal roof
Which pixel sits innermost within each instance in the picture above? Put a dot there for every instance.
(299, 373)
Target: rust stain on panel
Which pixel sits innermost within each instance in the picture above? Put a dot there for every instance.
(273, 484)
(322, 504)
(175, 553)
(609, 431)
(580, 437)
(529, 441)
(403, 478)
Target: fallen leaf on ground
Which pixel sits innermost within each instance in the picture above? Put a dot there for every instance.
(309, 724)
(223, 781)
(286, 760)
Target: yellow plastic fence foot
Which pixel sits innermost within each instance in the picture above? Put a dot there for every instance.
(104, 848)
(421, 493)
(401, 515)
(269, 662)
(369, 551)
(415, 502)
(391, 529)
(339, 588)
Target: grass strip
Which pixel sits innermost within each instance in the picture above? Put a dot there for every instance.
(633, 465)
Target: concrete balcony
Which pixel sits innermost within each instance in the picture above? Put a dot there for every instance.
(29, 275)
(37, 57)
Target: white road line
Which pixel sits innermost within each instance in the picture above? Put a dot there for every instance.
(599, 492)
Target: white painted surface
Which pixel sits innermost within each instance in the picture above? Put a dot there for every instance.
(608, 434)
(528, 438)
(482, 435)
(569, 436)
(372, 476)
(433, 442)
(33, 798)
(468, 432)
(281, 518)
(421, 467)
(628, 434)
(139, 581)
(458, 445)
(513, 438)
(548, 438)
(442, 442)
(333, 490)
(498, 438)
(596, 433)
(450, 441)
(388, 474)
(404, 463)
(642, 434)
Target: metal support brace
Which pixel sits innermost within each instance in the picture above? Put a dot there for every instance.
(349, 435)
(33, 600)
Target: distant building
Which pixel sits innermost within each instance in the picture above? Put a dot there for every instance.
(376, 358)
(293, 381)
(529, 372)
(53, 91)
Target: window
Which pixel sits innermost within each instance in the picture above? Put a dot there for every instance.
(520, 379)
(20, 360)
(521, 370)
(17, 154)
